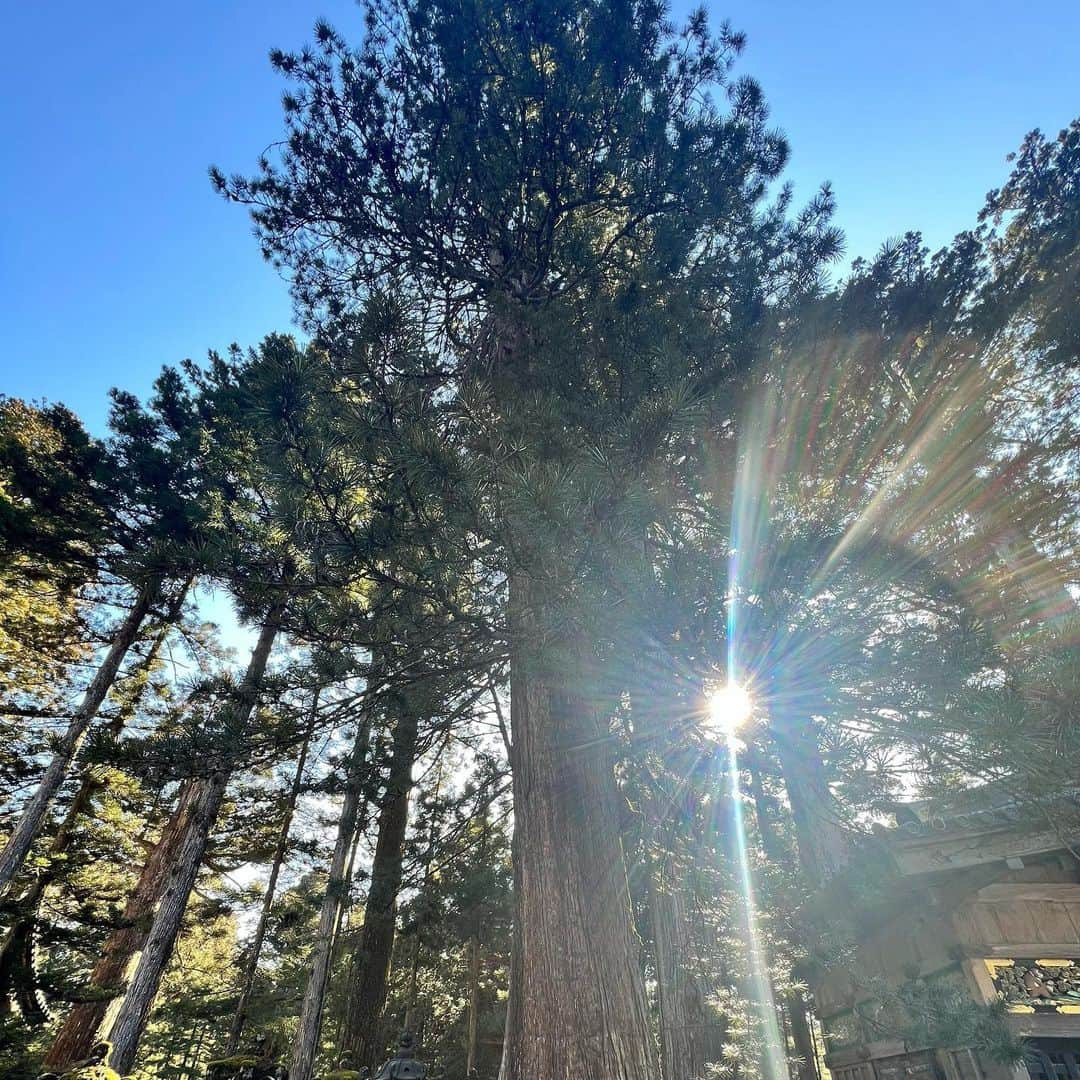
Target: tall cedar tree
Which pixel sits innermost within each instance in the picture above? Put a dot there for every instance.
(522, 167)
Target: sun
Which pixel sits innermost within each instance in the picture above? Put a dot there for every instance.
(729, 707)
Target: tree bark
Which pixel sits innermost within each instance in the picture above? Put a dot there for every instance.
(33, 816)
(683, 1020)
(80, 1030)
(577, 1003)
(130, 1022)
(251, 968)
(375, 945)
(474, 1005)
(306, 1044)
(798, 1015)
(822, 845)
(30, 902)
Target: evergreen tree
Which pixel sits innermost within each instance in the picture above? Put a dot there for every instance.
(531, 173)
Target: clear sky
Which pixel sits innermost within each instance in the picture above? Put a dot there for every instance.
(116, 257)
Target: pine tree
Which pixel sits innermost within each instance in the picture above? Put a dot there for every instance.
(513, 165)
(130, 1022)
(309, 1026)
(154, 518)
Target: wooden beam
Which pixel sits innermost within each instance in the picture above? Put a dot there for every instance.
(1031, 890)
(1027, 950)
(1044, 1025)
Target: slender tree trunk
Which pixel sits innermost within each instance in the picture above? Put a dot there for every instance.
(80, 1030)
(252, 966)
(30, 902)
(475, 955)
(577, 1003)
(375, 945)
(33, 816)
(130, 1022)
(343, 910)
(474, 1005)
(683, 1020)
(414, 1021)
(306, 1044)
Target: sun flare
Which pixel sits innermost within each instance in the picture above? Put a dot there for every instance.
(730, 706)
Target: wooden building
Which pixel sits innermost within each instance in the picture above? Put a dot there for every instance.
(977, 899)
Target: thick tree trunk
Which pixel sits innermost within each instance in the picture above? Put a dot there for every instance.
(823, 848)
(683, 1019)
(33, 815)
(306, 1044)
(374, 948)
(130, 1022)
(799, 1018)
(251, 967)
(577, 1002)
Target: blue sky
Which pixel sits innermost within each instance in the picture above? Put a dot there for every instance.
(115, 256)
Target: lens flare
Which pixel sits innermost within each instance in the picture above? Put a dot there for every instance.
(730, 706)
(774, 1057)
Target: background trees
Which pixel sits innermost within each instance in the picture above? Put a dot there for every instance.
(583, 429)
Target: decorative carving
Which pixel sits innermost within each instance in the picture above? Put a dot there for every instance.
(1029, 986)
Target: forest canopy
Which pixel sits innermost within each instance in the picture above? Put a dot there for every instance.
(614, 565)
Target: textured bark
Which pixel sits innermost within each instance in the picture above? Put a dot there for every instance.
(81, 1029)
(577, 1002)
(684, 1022)
(306, 1043)
(30, 902)
(33, 815)
(139, 996)
(251, 967)
(823, 848)
(130, 1022)
(472, 1037)
(799, 1018)
(371, 958)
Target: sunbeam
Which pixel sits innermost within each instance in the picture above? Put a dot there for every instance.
(775, 1058)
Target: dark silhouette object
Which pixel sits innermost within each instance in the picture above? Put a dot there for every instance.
(403, 1065)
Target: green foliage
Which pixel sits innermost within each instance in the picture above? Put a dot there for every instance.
(566, 330)
(938, 1012)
